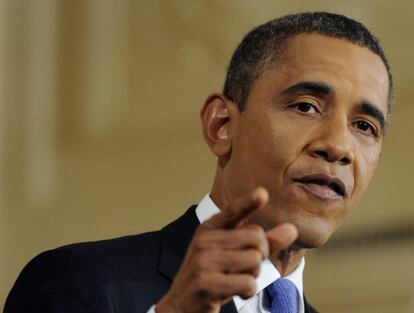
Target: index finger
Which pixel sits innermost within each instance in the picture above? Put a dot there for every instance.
(239, 209)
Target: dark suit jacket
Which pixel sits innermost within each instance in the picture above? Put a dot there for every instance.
(123, 275)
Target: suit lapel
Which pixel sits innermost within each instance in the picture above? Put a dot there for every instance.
(308, 307)
(229, 307)
(175, 238)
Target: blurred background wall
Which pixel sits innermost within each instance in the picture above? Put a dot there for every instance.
(99, 133)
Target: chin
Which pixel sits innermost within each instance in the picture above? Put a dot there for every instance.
(314, 234)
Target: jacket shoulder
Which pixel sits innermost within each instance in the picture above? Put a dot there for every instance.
(126, 274)
(114, 254)
(83, 277)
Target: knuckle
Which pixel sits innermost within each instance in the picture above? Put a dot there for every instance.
(199, 245)
(202, 242)
(256, 272)
(264, 248)
(202, 285)
(249, 289)
(260, 233)
(201, 262)
(257, 233)
(251, 286)
(252, 262)
(256, 257)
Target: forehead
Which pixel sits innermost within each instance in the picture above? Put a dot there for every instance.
(352, 71)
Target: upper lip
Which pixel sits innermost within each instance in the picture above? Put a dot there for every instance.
(333, 182)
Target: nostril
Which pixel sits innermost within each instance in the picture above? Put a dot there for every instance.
(332, 153)
(345, 161)
(325, 155)
(321, 154)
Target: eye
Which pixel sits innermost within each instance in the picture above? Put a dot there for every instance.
(305, 107)
(366, 127)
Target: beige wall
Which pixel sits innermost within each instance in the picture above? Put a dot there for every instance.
(100, 136)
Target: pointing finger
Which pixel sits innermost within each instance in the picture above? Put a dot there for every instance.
(237, 211)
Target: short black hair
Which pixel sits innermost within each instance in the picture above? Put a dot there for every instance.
(261, 47)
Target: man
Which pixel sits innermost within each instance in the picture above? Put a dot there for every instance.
(297, 133)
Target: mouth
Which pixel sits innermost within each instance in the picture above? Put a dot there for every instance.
(323, 186)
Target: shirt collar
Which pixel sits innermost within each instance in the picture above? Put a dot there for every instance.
(268, 272)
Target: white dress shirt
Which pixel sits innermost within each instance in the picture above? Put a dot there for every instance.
(268, 272)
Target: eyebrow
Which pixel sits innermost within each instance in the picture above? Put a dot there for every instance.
(315, 87)
(369, 109)
(309, 87)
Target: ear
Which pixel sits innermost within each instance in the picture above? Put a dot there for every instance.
(218, 118)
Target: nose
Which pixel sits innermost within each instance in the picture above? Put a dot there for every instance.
(332, 143)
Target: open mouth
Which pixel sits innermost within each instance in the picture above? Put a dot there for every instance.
(323, 186)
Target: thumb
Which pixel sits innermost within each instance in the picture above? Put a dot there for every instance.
(281, 236)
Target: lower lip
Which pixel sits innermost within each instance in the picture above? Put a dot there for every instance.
(321, 192)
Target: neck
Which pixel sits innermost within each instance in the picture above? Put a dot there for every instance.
(287, 261)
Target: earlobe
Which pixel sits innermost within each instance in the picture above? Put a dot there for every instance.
(217, 121)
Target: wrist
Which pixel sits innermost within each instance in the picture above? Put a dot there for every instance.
(166, 305)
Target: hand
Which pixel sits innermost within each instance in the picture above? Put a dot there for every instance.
(224, 258)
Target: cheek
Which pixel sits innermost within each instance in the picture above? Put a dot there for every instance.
(275, 147)
(364, 170)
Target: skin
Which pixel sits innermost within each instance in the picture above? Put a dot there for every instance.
(285, 133)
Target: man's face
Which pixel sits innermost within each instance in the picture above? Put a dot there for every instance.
(311, 134)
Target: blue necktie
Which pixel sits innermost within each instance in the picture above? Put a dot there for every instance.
(284, 296)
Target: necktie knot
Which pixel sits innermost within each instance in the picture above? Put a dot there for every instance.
(284, 296)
